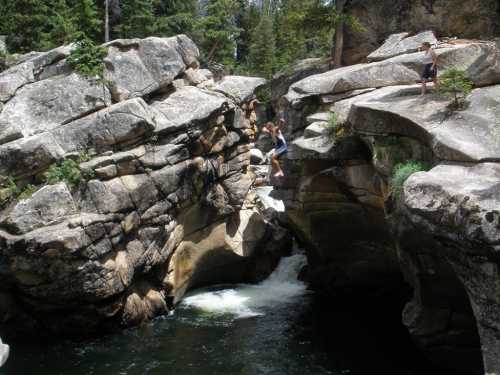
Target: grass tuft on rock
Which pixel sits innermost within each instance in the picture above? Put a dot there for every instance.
(67, 171)
(403, 171)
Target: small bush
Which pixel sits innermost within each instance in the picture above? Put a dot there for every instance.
(335, 130)
(87, 59)
(9, 191)
(403, 171)
(456, 84)
(67, 171)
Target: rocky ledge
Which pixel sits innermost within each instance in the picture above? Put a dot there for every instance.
(147, 193)
(441, 231)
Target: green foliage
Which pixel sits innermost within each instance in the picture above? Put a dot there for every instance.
(9, 191)
(217, 31)
(403, 171)
(334, 129)
(456, 84)
(138, 19)
(67, 171)
(262, 51)
(88, 59)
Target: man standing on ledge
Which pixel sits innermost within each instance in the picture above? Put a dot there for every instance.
(430, 67)
(280, 145)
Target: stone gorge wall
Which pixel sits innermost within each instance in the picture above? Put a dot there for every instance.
(163, 205)
(443, 232)
(464, 18)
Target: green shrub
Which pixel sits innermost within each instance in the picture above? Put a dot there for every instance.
(67, 171)
(403, 171)
(87, 59)
(334, 129)
(9, 191)
(456, 84)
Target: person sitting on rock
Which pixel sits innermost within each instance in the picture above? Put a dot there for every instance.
(280, 145)
(429, 71)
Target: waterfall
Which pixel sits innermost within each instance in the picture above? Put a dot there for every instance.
(244, 300)
(4, 353)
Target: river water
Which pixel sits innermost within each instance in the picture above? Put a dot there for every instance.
(274, 328)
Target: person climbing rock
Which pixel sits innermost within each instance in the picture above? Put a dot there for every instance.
(429, 71)
(281, 147)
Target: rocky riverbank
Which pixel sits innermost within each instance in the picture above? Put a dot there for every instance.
(348, 128)
(117, 199)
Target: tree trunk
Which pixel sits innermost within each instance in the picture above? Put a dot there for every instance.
(106, 21)
(338, 46)
(213, 50)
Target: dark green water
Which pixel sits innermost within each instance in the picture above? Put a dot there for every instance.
(275, 328)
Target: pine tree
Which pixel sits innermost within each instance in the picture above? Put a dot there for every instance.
(138, 18)
(175, 16)
(216, 31)
(24, 21)
(88, 19)
(262, 53)
(62, 27)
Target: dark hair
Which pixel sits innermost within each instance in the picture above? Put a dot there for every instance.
(426, 44)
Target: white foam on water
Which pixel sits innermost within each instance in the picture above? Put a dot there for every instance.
(245, 300)
(4, 353)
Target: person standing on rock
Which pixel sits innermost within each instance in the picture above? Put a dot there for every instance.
(430, 67)
(281, 147)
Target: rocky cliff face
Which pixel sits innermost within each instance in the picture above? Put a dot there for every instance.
(464, 18)
(160, 200)
(442, 233)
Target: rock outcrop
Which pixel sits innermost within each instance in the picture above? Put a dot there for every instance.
(347, 129)
(148, 194)
(381, 18)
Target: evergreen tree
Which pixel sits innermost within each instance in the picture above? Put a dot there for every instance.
(176, 16)
(88, 19)
(262, 53)
(62, 27)
(138, 18)
(248, 17)
(216, 31)
(24, 22)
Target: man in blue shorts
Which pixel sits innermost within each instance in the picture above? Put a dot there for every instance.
(281, 147)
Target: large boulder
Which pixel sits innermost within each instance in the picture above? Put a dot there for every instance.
(186, 106)
(239, 88)
(381, 18)
(33, 111)
(399, 44)
(96, 249)
(468, 135)
(449, 222)
(479, 60)
(101, 131)
(138, 67)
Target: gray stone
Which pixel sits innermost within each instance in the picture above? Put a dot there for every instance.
(399, 44)
(185, 107)
(239, 88)
(139, 67)
(256, 156)
(479, 60)
(467, 198)
(468, 135)
(50, 204)
(45, 105)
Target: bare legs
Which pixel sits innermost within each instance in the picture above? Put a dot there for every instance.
(424, 87)
(277, 167)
